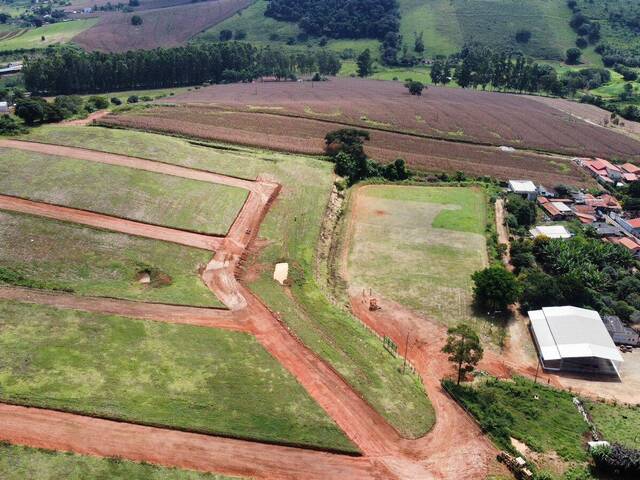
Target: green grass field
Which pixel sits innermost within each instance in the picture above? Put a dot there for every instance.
(292, 229)
(41, 253)
(419, 246)
(56, 33)
(617, 423)
(545, 419)
(194, 378)
(124, 192)
(436, 20)
(20, 463)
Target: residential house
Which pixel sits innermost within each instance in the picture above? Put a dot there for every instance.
(603, 170)
(630, 225)
(628, 243)
(524, 188)
(630, 172)
(620, 333)
(555, 209)
(607, 230)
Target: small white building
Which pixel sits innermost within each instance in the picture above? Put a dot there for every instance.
(551, 231)
(4, 107)
(574, 339)
(525, 188)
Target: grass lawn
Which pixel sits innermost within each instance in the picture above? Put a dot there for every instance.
(436, 20)
(202, 379)
(124, 192)
(543, 418)
(19, 463)
(55, 33)
(617, 423)
(419, 246)
(42, 253)
(292, 228)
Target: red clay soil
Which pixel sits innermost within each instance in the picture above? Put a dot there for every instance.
(306, 136)
(159, 312)
(116, 224)
(162, 27)
(453, 113)
(88, 120)
(455, 449)
(103, 438)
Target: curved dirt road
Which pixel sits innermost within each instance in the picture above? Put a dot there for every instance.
(454, 449)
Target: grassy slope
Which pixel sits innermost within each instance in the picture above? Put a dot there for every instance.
(181, 376)
(437, 20)
(56, 33)
(292, 228)
(56, 255)
(120, 191)
(549, 423)
(19, 463)
(424, 239)
(620, 37)
(617, 423)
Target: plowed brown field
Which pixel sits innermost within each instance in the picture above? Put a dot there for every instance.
(451, 113)
(303, 135)
(162, 27)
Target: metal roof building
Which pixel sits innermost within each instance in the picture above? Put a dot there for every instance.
(551, 231)
(574, 339)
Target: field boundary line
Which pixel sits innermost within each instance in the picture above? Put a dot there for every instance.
(116, 159)
(111, 223)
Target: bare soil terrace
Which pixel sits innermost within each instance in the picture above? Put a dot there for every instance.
(161, 27)
(305, 135)
(458, 114)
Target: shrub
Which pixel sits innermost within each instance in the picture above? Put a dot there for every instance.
(136, 20)
(523, 36)
(116, 101)
(99, 102)
(133, 99)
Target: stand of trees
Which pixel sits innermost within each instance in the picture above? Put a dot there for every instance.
(69, 71)
(479, 66)
(339, 18)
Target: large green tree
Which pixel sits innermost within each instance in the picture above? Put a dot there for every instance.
(464, 348)
(365, 63)
(495, 288)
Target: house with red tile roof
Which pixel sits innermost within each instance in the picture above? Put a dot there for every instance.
(603, 170)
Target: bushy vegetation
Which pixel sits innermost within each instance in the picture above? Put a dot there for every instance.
(543, 418)
(346, 147)
(35, 110)
(581, 271)
(618, 460)
(339, 18)
(70, 71)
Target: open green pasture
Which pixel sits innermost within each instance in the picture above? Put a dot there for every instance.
(195, 378)
(617, 423)
(121, 191)
(419, 246)
(41, 253)
(292, 229)
(55, 33)
(20, 463)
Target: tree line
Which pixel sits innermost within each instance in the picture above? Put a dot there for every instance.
(68, 71)
(339, 18)
(480, 66)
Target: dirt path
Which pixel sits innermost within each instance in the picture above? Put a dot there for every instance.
(454, 449)
(88, 120)
(503, 232)
(107, 222)
(104, 438)
(160, 312)
(131, 162)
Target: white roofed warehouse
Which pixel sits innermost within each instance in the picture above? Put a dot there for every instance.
(574, 339)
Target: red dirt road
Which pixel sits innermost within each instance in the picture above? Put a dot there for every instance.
(131, 162)
(106, 222)
(454, 449)
(104, 438)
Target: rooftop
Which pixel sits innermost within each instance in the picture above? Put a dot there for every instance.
(522, 186)
(551, 231)
(572, 332)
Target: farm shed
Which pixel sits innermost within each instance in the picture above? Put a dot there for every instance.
(524, 188)
(573, 339)
(620, 333)
(551, 231)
